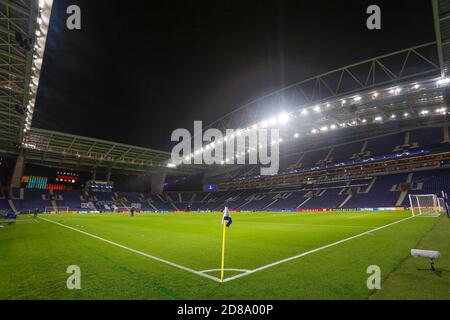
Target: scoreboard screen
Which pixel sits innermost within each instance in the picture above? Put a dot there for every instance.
(67, 177)
(53, 180)
(32, 182)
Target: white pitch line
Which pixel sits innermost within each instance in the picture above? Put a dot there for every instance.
(312, 251)
(136, 251)
(227, 269)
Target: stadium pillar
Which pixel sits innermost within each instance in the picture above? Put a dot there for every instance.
(158, 178)
(94, 173)
(19, 168)
(108, 175)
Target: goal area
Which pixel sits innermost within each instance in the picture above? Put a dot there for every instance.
(56, 210)
(427, 205)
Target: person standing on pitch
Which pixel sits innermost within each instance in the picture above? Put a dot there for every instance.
(132, 211)
(227, 217)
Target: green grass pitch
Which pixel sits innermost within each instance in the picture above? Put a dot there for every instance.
(177, 255)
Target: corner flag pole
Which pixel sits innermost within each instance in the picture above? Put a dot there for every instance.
(223, 251)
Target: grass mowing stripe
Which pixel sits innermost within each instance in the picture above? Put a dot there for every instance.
(136, 251)
(313, 251)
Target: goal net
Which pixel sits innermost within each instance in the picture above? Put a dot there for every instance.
(426, 205)
(56, 210)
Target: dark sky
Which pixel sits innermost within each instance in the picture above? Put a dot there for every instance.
(140, 69)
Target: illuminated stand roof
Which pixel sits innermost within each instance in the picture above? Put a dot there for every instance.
(23, 35)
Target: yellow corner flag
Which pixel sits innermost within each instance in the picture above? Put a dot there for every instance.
(223, 252)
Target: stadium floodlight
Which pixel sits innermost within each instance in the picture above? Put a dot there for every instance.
(171, 165)
(443, 81)
(353, 123)
(406, 114)
(375, 94)
(393, 116)
(273, 121)
(323, 129)
(328, 105)
(296, 136)
(280, 140)
(314, 131)
(283, 117)
(304, 112)
(424, 112)
(396, 90)
(317, 109)
(264, 124)
(344, 102)
(416, 86)
(364, 120)
(441, 110)
(333, 127)
(255, 127)
(357, 99)
(378, 118)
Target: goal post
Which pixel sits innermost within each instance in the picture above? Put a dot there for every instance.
(441, 204)
(428, 205)
(56, 210)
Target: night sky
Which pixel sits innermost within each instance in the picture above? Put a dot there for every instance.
(140, 69)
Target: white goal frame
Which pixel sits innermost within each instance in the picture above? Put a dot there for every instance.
(58, 210)
(426, 205)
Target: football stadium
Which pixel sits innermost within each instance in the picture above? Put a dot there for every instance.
(357, 208)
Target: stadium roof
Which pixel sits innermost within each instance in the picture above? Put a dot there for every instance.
(441, 10)
(23, 35)
(44, 147)
(389, 70)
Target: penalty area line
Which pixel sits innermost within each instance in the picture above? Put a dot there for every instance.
(176, 265)
(312, 251)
